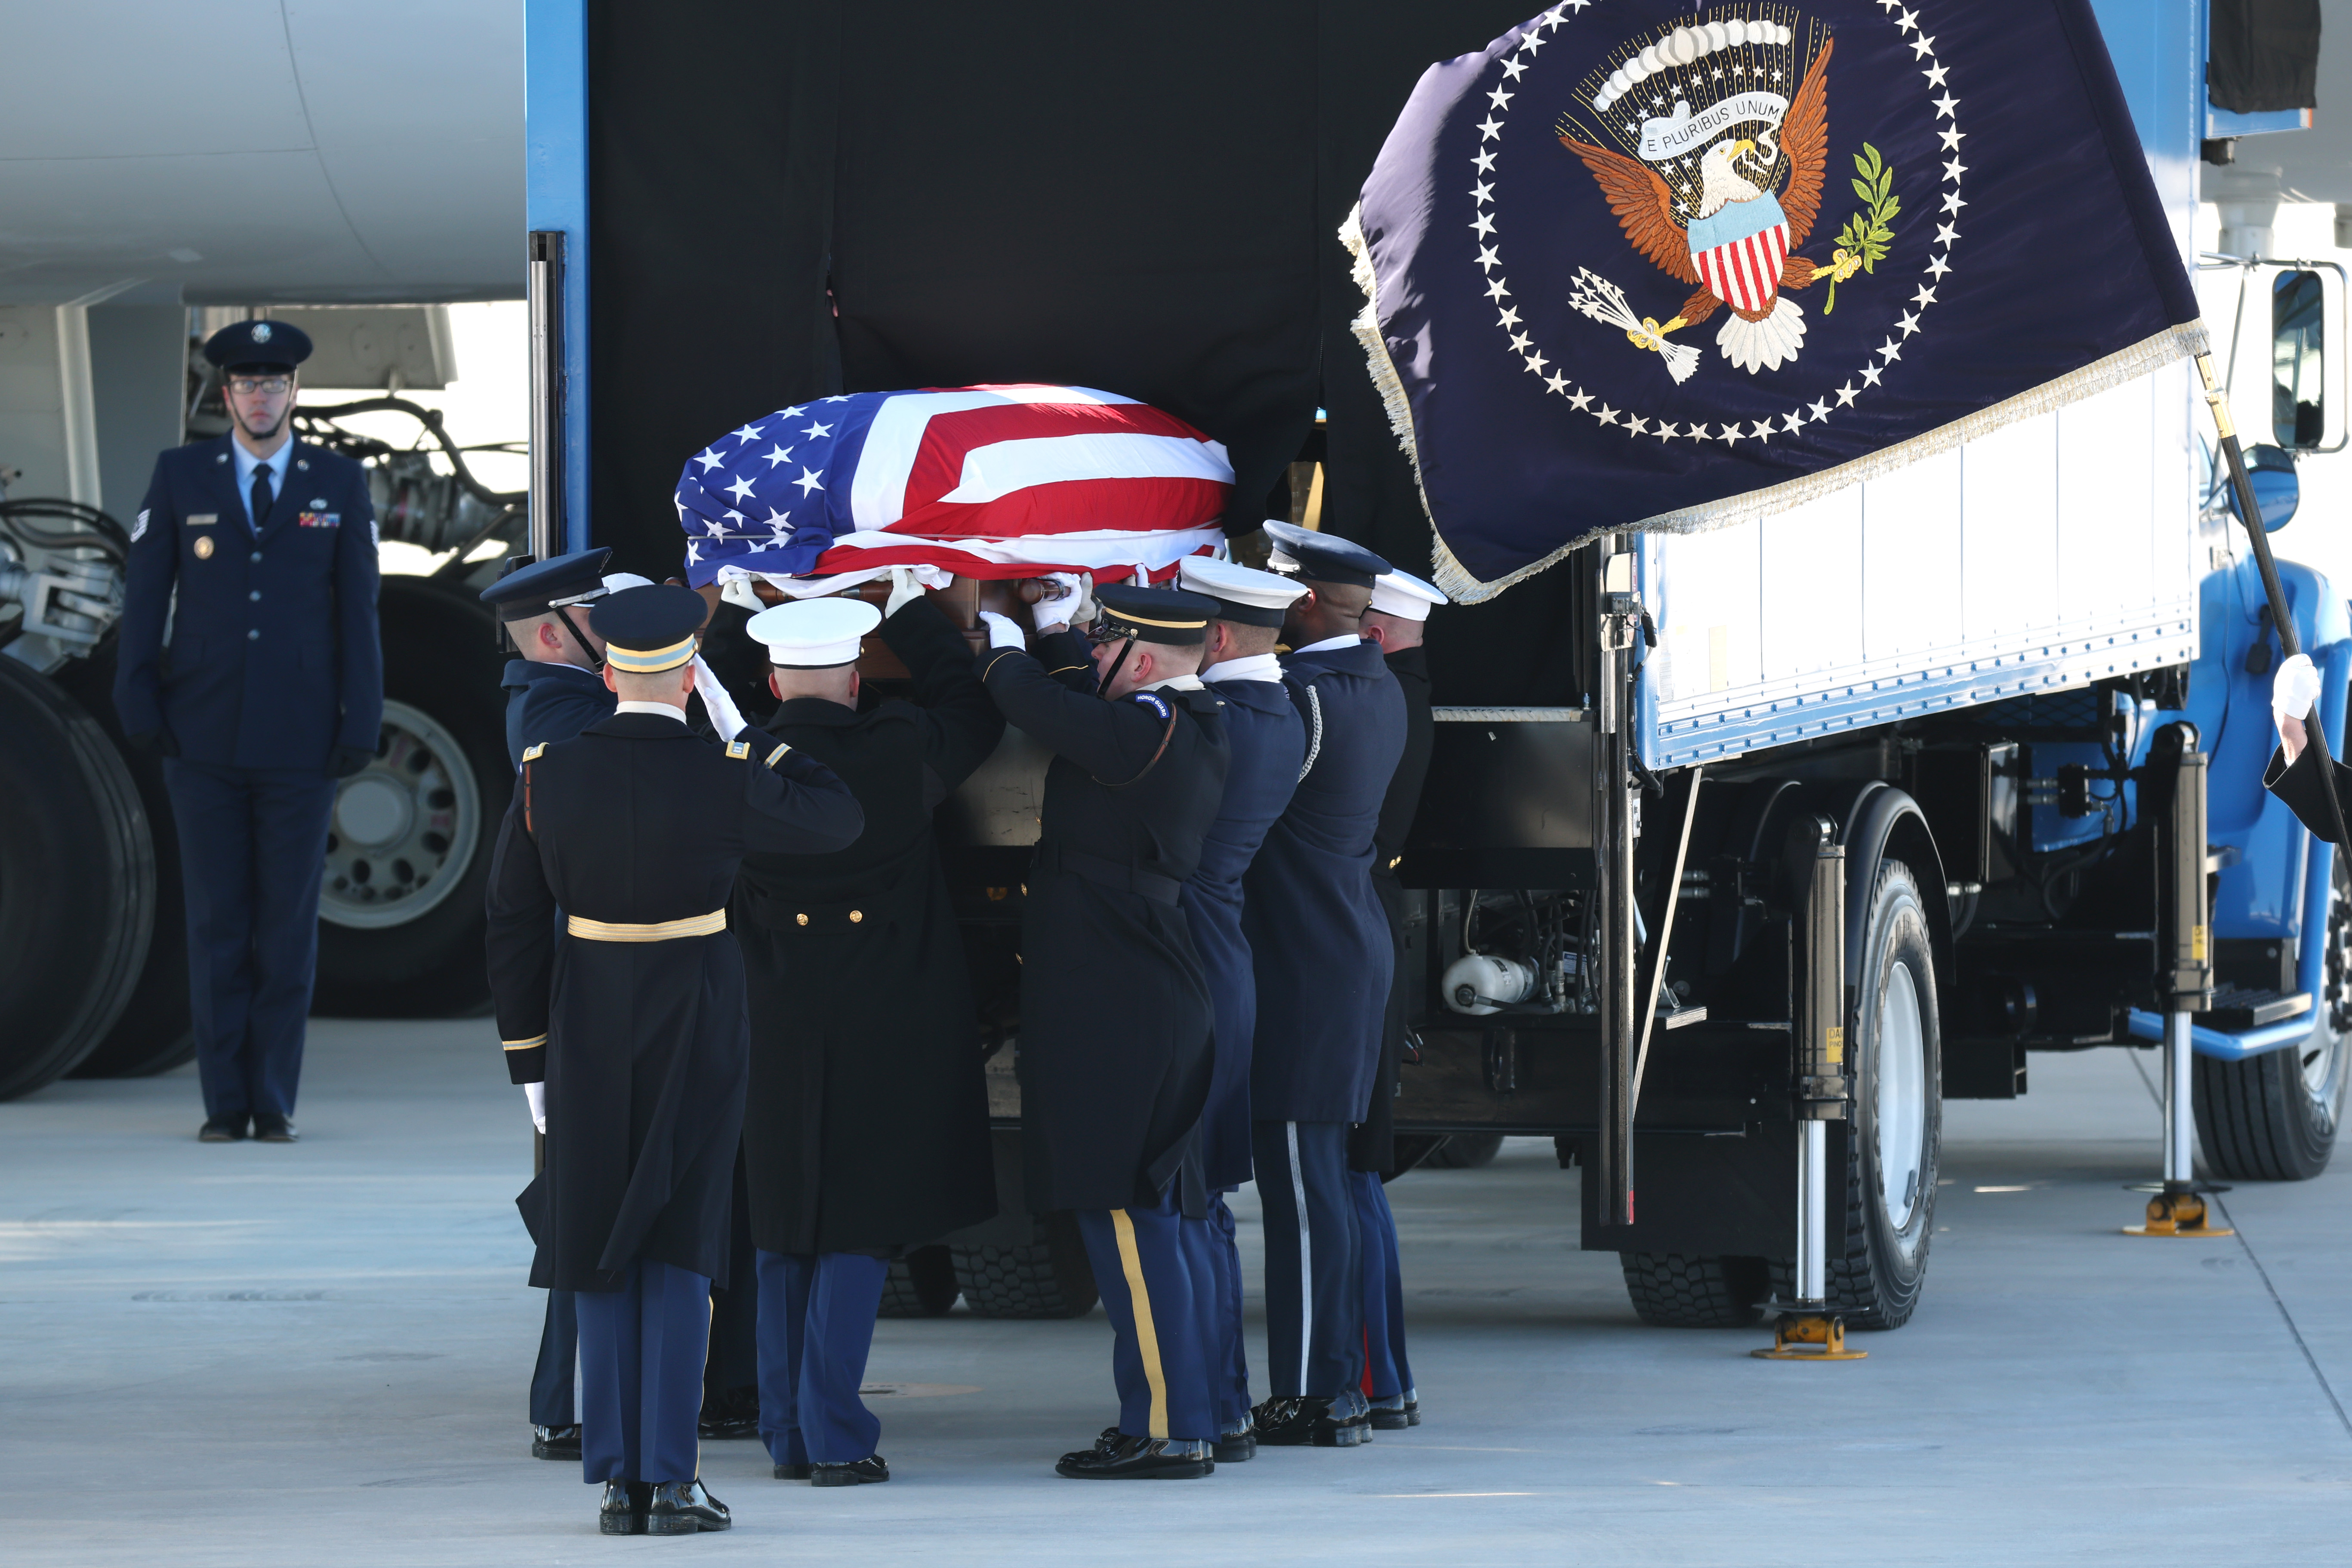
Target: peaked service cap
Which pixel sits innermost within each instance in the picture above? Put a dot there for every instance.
(262, 344)
(650, 629)
(1244, 596)
(813, 634)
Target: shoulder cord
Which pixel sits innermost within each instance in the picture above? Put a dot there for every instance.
(1165, 736)
(1315, 745)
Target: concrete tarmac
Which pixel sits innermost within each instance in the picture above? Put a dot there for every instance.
(319, 1355)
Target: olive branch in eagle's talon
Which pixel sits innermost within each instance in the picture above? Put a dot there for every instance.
(1861, 243)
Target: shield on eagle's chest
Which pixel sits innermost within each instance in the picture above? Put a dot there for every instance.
(1738, 252)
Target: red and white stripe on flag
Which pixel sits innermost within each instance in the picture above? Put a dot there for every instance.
(1746, 273)
(1020, 461)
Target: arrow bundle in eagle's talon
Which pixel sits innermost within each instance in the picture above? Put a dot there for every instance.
(1598, 297)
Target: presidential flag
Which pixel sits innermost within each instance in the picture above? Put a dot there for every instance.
(1641, 265)
(977, 481)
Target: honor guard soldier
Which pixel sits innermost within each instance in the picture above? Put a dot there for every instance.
(866, 1132)
(1399, 608)
(2292, 774)
(626, 1030)
(1268, 742)
(257, 552)
(1321, 946)
(1115, 1016)
(554, 691)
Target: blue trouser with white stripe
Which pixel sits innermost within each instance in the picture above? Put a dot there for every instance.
(1387, 1373)
(1151, 1268)
(641, 1350)
(1228, 1357)
(1314, 1288)
(816, 1327)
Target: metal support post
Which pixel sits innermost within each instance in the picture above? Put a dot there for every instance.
(545, 284)
(1806, 1329)
(2174, 792)
(1614, 788)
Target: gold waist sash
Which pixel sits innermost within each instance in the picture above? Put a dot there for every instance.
(659, 930)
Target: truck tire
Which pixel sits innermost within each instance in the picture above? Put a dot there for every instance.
(156, 1031)
(1048, 1276)
(1465, 1151)
(1672, 1291)
(920, 1285)
(1895, 1054)
(77, 882)
(2272, 1118)
(408, 848)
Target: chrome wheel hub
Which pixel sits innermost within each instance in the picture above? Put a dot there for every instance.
(403, 828)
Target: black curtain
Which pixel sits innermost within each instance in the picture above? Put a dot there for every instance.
(2263, 55)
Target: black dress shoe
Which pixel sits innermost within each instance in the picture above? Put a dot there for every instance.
(221, 1130)
(720, 1428)
(1289, 1422)
(855, 1473)
(794, 1472)
(555, 1442)
(1232, 1447)
(622, 1510)
(1396, 1413)
(1139, 1459)
(274, 1130)
(681, 1508)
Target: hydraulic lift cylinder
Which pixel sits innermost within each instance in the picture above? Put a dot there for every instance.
(1820, 1050)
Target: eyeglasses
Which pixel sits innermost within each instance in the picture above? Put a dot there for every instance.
(246, 386)
(1101, 632)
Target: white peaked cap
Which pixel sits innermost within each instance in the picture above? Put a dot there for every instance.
(617, 581)
(1404, 595)
(1236, 584)
(811, 634)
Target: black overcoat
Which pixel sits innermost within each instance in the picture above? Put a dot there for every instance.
(2299, 786)
(1318, 937)
(637, 821)
(1115, 1019)
(1372, 1144)
(866, 1126)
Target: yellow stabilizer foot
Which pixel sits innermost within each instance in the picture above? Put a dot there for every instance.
(1810, 1337)
(2177, 1214)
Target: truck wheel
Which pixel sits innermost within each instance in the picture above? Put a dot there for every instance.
(1895, 1054)
(1049, 1276)
(156, 1032)
(408, 846)
(1672, 1291)
(2272, 1118)
(921, 1285)
(1465, 1151)
(77, 882)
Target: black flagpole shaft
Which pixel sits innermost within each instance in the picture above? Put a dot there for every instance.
(2315, 733)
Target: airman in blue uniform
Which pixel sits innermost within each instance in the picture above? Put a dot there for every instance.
(249, 660)
(1269, 745)
(1320, 943)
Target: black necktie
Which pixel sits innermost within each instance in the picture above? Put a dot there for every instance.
(260, 496)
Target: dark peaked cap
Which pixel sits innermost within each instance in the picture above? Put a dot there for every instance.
(1156, 614)
(533, 590)
(650, 629)
(261, 345)
(1324, 557)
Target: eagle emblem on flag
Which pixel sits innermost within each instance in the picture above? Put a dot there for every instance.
(1722, 196)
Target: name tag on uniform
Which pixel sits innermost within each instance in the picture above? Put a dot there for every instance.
(203, 519)
(319, 519)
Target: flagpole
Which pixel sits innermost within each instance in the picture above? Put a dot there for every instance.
(2315, 734)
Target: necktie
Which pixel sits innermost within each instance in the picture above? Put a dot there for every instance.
(260, 496)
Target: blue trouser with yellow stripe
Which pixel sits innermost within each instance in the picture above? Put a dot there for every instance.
(1314, 1259)
(1387, 1373)
(1151, 1266)
(641, 1352)
(816, 1328)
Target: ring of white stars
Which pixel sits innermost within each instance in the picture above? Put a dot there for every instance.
(1883, 359)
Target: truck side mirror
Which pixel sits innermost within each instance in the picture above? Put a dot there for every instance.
(2298, 363)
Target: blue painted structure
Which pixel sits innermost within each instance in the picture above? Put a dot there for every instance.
(556, 197)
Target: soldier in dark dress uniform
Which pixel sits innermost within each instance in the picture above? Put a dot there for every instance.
(2293, 773)
(1321, 945)
(257, 552)
(555, 689)
(1399, 608)
(627, 1032)
(1269, 741)
(1115, 1054)
(867, 1129)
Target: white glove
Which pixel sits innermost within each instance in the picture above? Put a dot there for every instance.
(903, 591)
(1068, 602)
(1002, 630)
(537, 1094)
(2294, 689)
(724, 716)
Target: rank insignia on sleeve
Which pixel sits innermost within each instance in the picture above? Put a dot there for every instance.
(139, 528)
